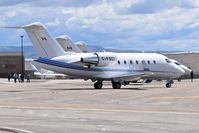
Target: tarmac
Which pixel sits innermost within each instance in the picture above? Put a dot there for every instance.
(73, 106)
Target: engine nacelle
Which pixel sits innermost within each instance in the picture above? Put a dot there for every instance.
(90, 59)
(100, 59)
(106, 58)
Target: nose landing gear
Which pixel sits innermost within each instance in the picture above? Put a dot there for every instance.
(168, 83)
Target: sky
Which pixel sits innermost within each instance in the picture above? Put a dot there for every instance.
(171, 25)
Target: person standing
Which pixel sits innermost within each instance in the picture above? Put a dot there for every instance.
(19, 77)
(28, 78)
(15, 76)
(22, 78)
(9, 76)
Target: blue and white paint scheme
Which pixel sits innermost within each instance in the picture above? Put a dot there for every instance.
(120, 68)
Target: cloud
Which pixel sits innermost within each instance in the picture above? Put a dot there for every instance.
(121, 24)
(47, 3)
(10, 14)
(56, 22)
(154, 6)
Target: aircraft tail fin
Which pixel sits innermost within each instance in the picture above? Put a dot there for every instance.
(83, 47)
(67, 44)
(43, 42)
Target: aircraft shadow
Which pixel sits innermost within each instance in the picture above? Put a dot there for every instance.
(74, 89)
(65, 89)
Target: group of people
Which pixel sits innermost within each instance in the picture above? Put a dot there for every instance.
(19, 77)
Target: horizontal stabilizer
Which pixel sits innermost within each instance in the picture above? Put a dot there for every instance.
(13, 27)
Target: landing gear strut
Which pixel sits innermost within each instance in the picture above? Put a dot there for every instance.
(98, 85)
(169, 82)
(116, 85)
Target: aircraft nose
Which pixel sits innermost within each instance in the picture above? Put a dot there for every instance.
(179, 72)
(187, 70)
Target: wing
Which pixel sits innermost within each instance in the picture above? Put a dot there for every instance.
(133, 75)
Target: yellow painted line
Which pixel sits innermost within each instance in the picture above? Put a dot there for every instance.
(102, 110)
(176, 97)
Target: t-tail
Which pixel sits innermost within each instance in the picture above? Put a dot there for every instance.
(67, 44)
(43, 42)
(83, 47)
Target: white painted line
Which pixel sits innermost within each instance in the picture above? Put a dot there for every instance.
(14, 130)
(103, 110)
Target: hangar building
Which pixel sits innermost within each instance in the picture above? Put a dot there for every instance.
(11, 62)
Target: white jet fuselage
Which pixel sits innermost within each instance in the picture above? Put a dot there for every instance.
(113, 66)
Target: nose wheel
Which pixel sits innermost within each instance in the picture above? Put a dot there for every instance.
(169, 82)
(168, 85)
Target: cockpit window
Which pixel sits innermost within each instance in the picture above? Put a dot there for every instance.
(177, 63)
(168, 61)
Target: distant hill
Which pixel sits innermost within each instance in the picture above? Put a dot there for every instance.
(30, 52)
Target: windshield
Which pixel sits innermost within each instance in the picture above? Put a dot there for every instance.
(177, 63)
(168, 61)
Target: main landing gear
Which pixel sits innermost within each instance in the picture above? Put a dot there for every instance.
(115, 85)
(98, 85)
(169, 82)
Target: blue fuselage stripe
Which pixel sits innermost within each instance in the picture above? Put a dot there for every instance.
(77, 67)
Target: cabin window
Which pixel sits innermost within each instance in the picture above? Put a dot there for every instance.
(131, 62)
(124, 62)
(148, 62)
(154, 62)
(137, 62)
(118, 62)
(143, 62)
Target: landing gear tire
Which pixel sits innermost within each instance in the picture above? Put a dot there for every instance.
(168, 85)
(116, 85)
(98, 85)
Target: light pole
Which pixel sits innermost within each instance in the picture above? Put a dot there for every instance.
(22, 58)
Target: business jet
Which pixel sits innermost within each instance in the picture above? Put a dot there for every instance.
(119, 68)
(46, 74)
(41, 73)
(80, 47)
